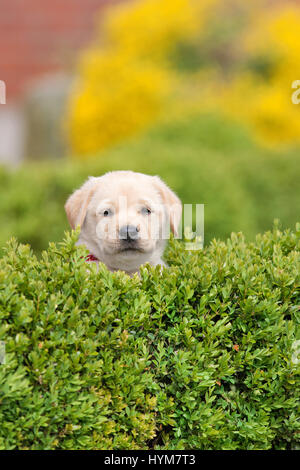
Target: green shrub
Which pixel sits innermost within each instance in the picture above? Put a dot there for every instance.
(199, 356)
(205, 159)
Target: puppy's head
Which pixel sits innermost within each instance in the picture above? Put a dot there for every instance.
(124, 217)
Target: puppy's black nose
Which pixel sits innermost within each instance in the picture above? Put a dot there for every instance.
(129, 232)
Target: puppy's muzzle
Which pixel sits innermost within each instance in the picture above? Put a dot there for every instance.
(129, 233)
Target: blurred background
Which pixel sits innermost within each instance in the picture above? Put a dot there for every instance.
(198, 92)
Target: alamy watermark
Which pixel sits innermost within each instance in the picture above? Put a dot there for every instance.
(151, 222)
(296, 94)
(2, 92)
(2, 352)
(193, 215)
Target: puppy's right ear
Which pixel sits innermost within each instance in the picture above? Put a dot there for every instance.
(77, 204)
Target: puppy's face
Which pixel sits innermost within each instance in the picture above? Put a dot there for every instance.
(128, 219)
(124, 217)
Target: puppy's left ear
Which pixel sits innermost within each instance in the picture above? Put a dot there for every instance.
(172, 203)
(77, 204)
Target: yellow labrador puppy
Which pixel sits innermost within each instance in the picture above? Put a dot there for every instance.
(125, 219)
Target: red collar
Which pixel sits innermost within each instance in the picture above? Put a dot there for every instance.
(91, 257)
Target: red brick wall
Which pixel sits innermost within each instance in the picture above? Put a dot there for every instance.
(41, 36)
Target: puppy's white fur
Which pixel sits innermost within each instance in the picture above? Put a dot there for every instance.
(120, 198)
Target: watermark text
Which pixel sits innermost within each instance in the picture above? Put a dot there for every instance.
(2, 92)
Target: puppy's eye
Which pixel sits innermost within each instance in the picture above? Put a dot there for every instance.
(107, 212)
(146, 211)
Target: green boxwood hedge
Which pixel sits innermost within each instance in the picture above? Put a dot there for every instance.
(199, 356)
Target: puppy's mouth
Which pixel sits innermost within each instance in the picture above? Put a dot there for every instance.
(131, 249)
(130, 246)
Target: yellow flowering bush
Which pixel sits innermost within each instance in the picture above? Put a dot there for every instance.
(125, 80)
(155, 59)
(149, 28)
(263, 100)
(117, 98)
